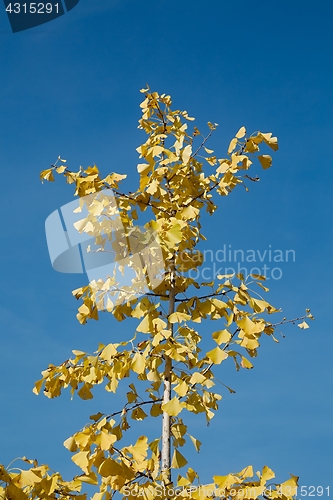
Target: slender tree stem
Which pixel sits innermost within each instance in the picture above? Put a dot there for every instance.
(166, 438)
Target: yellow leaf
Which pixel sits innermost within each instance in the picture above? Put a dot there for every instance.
(181, 389)
(138, 414)
(89, 479)
(108, 352)
(85, 392)
(196, 443)
(272, 142)
(197, 378)
(109, 305)
(70, 444)
(267, 474)
(189, 213)
(289, 487)
(26, 478)
(186, 155)
(250, 343)
(139, 450)
(96, 416)
(38, 386)
(174, 235)
(241, 132)
(173, 407)
(217, 355)
(225, 481)
(143, 168)
(303, 325)
(265, 160)
(156, 410)
(78, 354)
(245, 363)
(247, 472)
(81, 460)
(47, 175)
(212, 126)
(182, 481)
(138, 363)
(178, 460)
(145, 326)
(232, 145)
(178, 317)
(249, 327)
(105, 440)
(221, 336)
(110, 468)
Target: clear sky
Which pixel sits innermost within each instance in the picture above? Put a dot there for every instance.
(71, 88)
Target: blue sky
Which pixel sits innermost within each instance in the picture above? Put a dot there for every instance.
(71, 88)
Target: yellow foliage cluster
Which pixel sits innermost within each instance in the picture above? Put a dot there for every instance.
(175, 187)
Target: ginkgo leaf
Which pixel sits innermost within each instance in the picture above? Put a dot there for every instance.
(138, 414)
(303, 325)
(178, 317)
(143, 168)
(196, 443)
(105, 440)
(173, 407)
(82, 461)
(70, 444)
(139, 450)
(47, 175)
(108, 352)
(289, 487)
(216, 355)
(225, 481)
(90, 478)
(183, 481)
(267, 474)
(265, 160)
(38, 386)
(178, 461)
(182, 388)
(221, 336)
(85, 392)
(241, 132)
(246, 472)
(156, 410)
(96, 416)
(212, 126)
(174, 235)
(138, 363)
(197, 378)
(110, 468)
(245, 363)
(109, 305)
(232, 145)
(249, 326)
(187, 151)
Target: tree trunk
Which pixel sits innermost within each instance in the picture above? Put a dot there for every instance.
(166, 438)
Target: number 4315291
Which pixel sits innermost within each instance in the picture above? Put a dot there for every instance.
(32, 8)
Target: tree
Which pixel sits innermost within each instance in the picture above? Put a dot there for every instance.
(164, 351)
